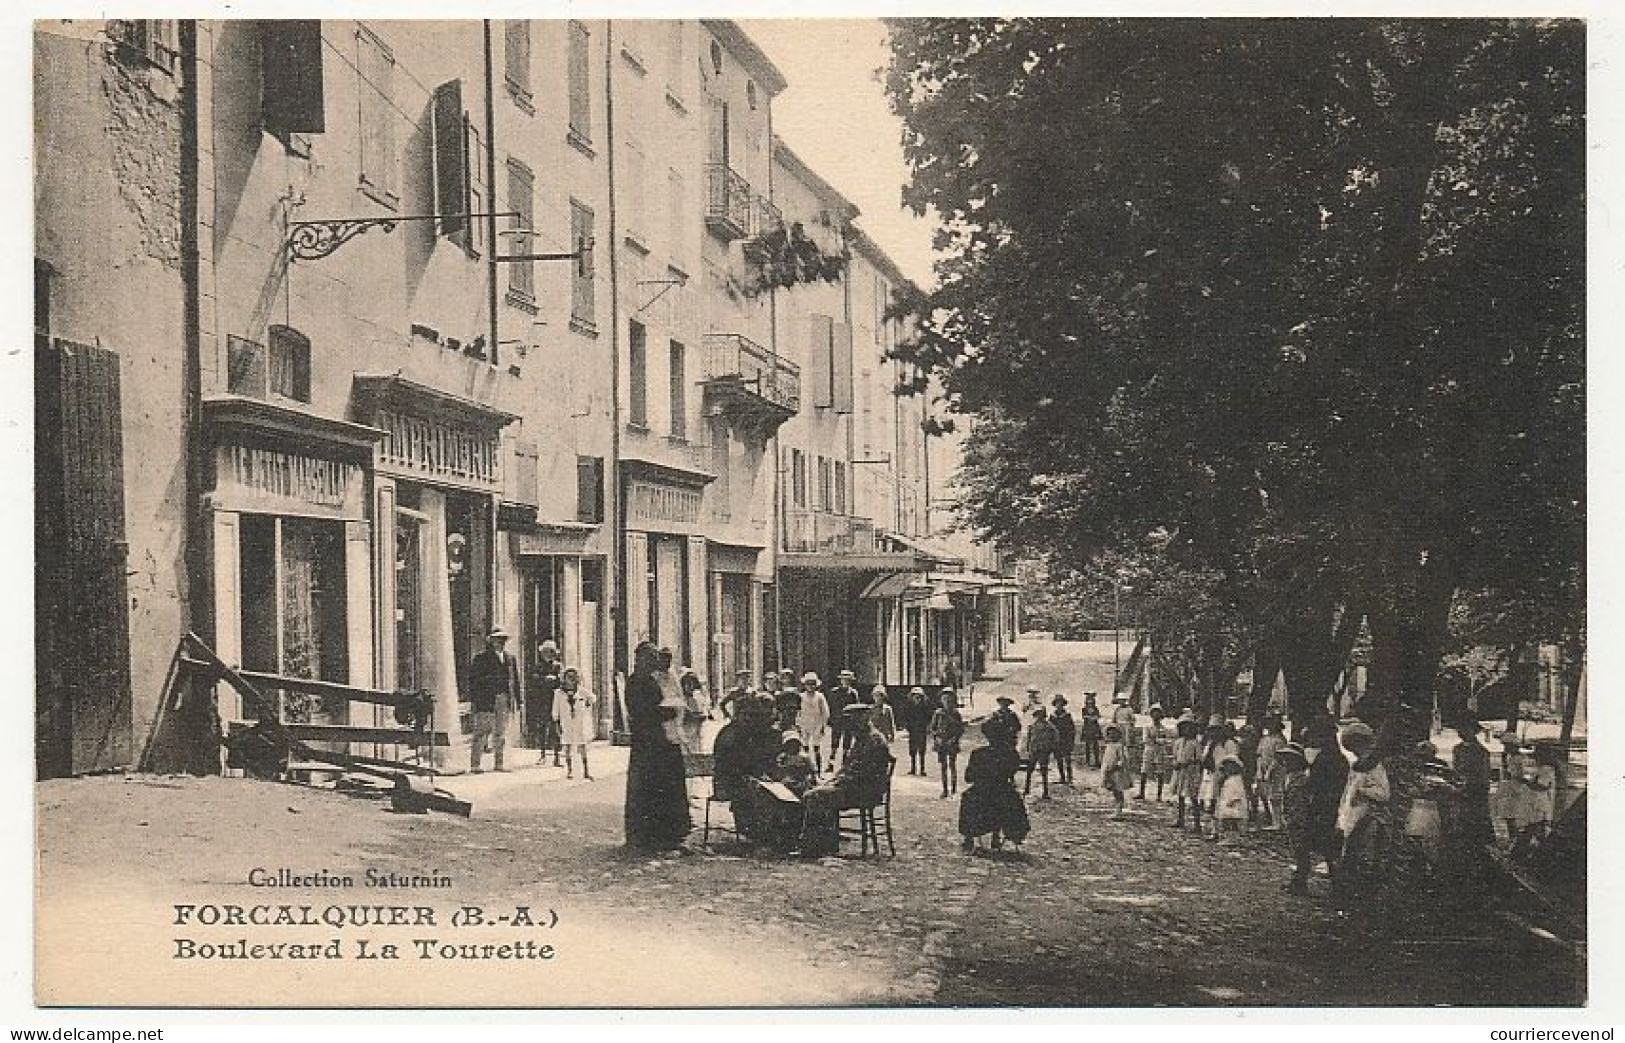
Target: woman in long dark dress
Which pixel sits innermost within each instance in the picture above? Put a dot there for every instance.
(991, 802)
(656, 796)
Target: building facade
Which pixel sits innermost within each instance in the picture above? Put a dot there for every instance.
(359, 339)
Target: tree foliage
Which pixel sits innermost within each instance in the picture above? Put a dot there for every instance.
(1305, 296)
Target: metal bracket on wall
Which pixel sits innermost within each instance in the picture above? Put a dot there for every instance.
(667, 284)
(314, 240)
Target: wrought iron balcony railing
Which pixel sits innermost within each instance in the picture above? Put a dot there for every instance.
(728, 202)
(812, 532)
(738, 361)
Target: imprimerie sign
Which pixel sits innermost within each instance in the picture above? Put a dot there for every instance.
(437, 451)
(276, 481)
(662, 507)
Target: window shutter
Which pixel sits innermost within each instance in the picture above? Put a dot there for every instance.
(582, 305)
(517, 54)
(451, 162)
(247, 372)
(291, 91)
(82, 640)
(379, 160)
(638, 375)
(820, 331)
(289, 363)
(580, 101)
(841, 367)
(590, 489)
(522, 200)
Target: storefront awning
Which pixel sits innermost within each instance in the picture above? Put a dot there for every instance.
(392, 391)
(895, 585)
(238, 418)
(922, 547)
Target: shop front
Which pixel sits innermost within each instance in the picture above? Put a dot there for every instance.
(435, 495)
(736, 595)
(666, 589)
(291, 550)
(562, 600)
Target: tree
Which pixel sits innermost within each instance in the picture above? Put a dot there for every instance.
(1304, 295)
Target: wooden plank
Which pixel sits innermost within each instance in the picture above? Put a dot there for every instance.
(358, 733)
(328, 688)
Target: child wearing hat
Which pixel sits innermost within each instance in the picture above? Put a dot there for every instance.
(1292, 807)
(1040, 740)
(1114, 773)
(796, 770)
(1231, 805)
(946, 729)
(1187, 768)
(1066, 737)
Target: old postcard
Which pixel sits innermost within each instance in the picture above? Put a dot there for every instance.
(1078, 512)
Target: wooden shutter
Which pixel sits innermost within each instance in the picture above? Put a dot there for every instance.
(451, 161)
(582, 305)
(82, 688)
(522, 201)
(516, 55)
(379, 160)
(841, 367)
(247, 371)
(638, 375)
(291, 94)
(590, 489)
(580, 99)
(820, 331)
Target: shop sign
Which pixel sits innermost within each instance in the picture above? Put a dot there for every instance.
(662, 507)
(438, 452)
(255, 478)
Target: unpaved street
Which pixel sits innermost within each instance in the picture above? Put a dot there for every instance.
(1092, 912)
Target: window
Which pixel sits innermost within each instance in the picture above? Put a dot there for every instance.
(582, 310)
(840, 487)
(636, 196)
(521, 200)
(152, 40)
(676, 64)
(516, 62)
(679, 391)
(826, 497)
(638, 374)
(376, 65)
(798, 478)
(750, 95)
(246, 370)
(291, 96)
(590, 490)
(676, 210)
(451, 164)
(478, 192)
(580, 99)
(290, 363)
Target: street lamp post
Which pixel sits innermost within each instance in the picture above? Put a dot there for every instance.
(1117, 633)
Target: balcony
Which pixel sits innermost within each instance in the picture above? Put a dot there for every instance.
(749, 384)
(824, 532)
(729, 203)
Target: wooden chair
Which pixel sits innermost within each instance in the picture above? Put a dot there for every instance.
(703, 766)
(873, 816)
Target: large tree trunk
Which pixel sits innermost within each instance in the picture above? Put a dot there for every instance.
(1314, 646)
(1266, 666)
(1408, 638)
(1573, 663)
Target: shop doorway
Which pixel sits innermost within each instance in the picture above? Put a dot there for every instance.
(293, 619)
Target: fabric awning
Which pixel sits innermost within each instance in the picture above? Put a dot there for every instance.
(894, 585)
(922, 547)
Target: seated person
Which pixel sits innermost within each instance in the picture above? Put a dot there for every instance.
(991, 803)
(746, 748)
(861, 782)
(793, 767)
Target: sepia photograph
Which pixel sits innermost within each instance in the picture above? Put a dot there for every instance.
(908, 512)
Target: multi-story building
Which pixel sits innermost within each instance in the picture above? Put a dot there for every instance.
(359, 339)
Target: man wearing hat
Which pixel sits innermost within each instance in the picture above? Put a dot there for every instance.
(1066, 737)
(841, 695)
(1003, 722)
(493, 680)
